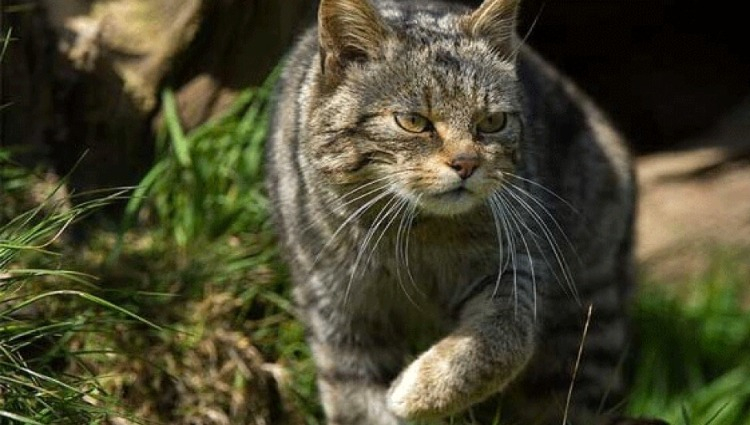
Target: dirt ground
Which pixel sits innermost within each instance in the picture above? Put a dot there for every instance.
(696, 199)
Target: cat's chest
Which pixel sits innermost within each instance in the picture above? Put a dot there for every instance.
(416, 280)
(424, 295)
(435, 266)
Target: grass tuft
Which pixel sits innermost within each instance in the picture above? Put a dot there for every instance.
(207, 183)
(35, 321)
(693, 365)
(197, 256)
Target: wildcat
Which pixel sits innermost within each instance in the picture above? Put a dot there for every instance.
(449, 206)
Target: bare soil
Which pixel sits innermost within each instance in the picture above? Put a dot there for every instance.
(696, 200)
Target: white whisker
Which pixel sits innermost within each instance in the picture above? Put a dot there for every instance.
(393, 212)
(402, 236)
(502, 262)
(500, 205)
(412, 216)
(342, 205)
(355, 215)
(544, 188)
(550, 238)
(518, 222)
(345, 202)
(546, 211)
(513, 221)
(385, 211)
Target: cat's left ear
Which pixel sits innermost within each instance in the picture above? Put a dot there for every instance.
(495, 20)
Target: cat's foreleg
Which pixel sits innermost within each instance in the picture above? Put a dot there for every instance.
(354, 370)
(492, 343)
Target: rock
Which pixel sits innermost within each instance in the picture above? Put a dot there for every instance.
(93, 72)
(138, 39)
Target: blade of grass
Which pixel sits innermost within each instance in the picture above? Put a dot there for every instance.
(86, 296)
(18, 418)
(172, 119)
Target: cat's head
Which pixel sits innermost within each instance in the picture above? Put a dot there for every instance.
(425, 104)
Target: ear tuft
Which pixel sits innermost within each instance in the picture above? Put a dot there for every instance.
(349, 30)
(495, 20)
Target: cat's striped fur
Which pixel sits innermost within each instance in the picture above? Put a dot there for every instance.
(477, 250)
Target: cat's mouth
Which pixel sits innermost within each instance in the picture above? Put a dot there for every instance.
(450, 202)
(454, 194)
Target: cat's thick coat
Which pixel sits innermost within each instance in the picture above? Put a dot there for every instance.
(441, 192)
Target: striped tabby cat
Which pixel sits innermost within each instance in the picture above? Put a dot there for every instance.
(449, 206)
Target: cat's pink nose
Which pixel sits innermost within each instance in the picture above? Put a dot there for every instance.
(465, 164)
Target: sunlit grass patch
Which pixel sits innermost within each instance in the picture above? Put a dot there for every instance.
(197, 255)
(207, 183)
(693, 363)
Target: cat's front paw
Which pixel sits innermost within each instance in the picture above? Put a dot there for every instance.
(448, 378)
(457, 372)
(425, 389)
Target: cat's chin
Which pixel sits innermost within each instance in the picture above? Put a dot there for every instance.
(455, 202)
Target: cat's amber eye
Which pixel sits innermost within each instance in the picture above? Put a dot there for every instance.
(493, 123)
(413, 123)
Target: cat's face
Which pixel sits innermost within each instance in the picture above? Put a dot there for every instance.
(433, 118)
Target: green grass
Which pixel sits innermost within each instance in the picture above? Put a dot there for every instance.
(39, 310)
(196, 256)
(693, 364)
(208, 183)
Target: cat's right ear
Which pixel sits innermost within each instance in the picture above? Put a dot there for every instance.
(495, 20)
(349, 31)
